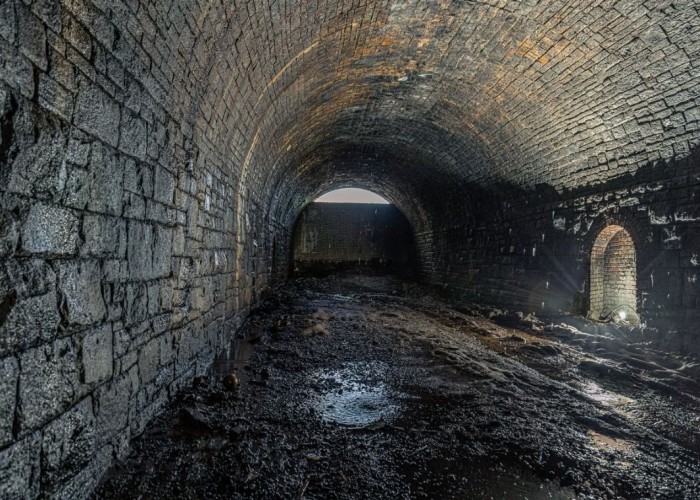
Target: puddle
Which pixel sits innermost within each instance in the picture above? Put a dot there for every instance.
(354, 395)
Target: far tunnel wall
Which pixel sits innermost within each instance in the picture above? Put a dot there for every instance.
(337, 236)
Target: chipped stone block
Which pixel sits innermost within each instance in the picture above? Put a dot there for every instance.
(111, 408)
(9, 234)
(81, 485)
(164, 184)
(18, 72)
(20, 468)
(30, 321)
(9, 374)
(140, 249)
(149, 361)
(78, 150)
(7, 21)
(97, 113)
(50, 231)
(39, 170)
(134, 137)
(32, 35)
(136, 303)
(31, 277)
(106, 181)
(80, 284)
(28, 312)
(162, 251)
(48, 383)
(104, 237)
(55, 97)
(68, 444)
(97, 355)
(77, 190)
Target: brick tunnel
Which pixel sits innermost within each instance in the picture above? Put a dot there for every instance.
(157, 157)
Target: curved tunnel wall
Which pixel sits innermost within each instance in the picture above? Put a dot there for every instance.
(154, 157)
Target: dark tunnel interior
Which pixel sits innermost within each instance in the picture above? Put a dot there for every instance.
(181, 318)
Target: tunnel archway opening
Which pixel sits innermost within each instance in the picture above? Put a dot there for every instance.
(352, 195)
(353, 230)
(613, 277)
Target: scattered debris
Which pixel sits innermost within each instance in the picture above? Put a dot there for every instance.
(427, 401)
(230, 381)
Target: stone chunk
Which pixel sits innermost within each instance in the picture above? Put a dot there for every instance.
(7, 21)
(136, 303)
(20, 468)
(9, 374)
(28, 306)
(18, 72)
(162, 252)
(50, 231)
(48, 383)
(68, 444)
(97, 355)
(80, 284)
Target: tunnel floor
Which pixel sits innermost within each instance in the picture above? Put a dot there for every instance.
(367, 387)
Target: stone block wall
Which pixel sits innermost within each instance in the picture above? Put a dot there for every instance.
(124, 264)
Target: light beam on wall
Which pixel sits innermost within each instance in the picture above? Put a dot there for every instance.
(351, 195)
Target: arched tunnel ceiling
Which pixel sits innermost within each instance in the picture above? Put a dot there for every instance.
(565, 93)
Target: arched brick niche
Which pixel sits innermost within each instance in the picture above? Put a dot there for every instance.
(613, 285)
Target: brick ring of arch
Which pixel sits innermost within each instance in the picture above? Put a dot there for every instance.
(613, 286)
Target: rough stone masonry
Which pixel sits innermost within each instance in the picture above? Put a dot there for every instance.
(154, 157)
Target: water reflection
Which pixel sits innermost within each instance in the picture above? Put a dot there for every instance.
(354, 395)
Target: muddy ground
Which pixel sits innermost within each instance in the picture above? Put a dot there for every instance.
(366, 387)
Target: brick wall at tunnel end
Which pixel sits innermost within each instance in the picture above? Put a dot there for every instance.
(532, 251)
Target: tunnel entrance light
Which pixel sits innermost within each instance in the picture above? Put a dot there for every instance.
(351, 195)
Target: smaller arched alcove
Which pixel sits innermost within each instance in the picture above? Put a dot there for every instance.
(613, 279)
(353, 229)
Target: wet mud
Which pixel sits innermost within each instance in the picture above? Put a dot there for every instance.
(368, 387)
